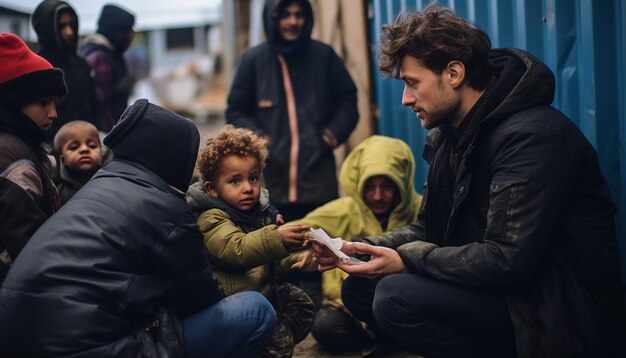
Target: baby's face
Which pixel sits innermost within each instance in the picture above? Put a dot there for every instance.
(238, 183)
(81, 151)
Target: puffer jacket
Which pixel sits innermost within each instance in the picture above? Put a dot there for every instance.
(349, 217)
(246, 255)
(125, 246)
(325, 99)
(517, 203)
(81, 102)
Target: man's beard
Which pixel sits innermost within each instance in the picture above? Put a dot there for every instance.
(447, 110)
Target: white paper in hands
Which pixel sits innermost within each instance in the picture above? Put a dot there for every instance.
(334, 245)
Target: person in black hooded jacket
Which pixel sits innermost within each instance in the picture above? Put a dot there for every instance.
(296, 93)
(118, 268)
(514, 251)
(56, 25)
(104, 52)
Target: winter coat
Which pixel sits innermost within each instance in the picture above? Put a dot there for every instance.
(245, 251)
(350, 217)
(81, 102)
(517, 203)
(325, 99)
(27, 194)
(112, 80)
(125, 247)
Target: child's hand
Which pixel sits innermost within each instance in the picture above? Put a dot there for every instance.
(280, 219)
(304, 261)
(293, 236)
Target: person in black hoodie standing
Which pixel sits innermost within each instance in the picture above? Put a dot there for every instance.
(119, 271)
(56, 25)
(104, 52)
(297, 94)
(514, 250)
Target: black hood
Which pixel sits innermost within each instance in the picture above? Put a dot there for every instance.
(46, 24)
(115, 23)
(270, 20)
(160, 140)
(520, 81)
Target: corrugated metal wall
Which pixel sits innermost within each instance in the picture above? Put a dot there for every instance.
(582, 41)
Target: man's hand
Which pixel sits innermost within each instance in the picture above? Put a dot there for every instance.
(293, 236)
(330, 138)
(384, 261)
(326, 260)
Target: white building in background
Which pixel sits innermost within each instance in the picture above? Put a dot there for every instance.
(15, 21)
(176, 49)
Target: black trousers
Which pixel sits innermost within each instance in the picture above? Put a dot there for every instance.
(337, 331)
(432, 318)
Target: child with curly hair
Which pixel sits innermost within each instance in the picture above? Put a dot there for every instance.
(246, 247)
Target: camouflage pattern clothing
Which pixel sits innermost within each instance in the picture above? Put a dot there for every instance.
(295, 319)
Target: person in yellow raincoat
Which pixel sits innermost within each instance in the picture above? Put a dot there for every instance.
(377, 177)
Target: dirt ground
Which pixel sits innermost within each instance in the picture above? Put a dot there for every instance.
(309, 348)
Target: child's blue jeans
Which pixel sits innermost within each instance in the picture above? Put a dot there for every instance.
(237, 326)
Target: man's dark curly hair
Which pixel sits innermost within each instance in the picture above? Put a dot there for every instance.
(436, 36)
(230, 140)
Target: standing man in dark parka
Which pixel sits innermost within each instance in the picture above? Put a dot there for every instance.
(297, 93)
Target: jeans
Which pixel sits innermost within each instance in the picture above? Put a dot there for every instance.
(431, 317)
(237, 326)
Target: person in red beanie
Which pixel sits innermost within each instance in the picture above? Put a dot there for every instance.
(29, 86)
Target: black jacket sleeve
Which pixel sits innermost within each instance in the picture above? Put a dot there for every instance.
(346, 114)
(242, 98)
(180, 257)
(526, 190)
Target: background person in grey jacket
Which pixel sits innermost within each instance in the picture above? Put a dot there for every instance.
(514, 251)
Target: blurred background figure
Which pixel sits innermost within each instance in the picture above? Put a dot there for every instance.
(297, 94)
(56, 25)
(104, 52)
